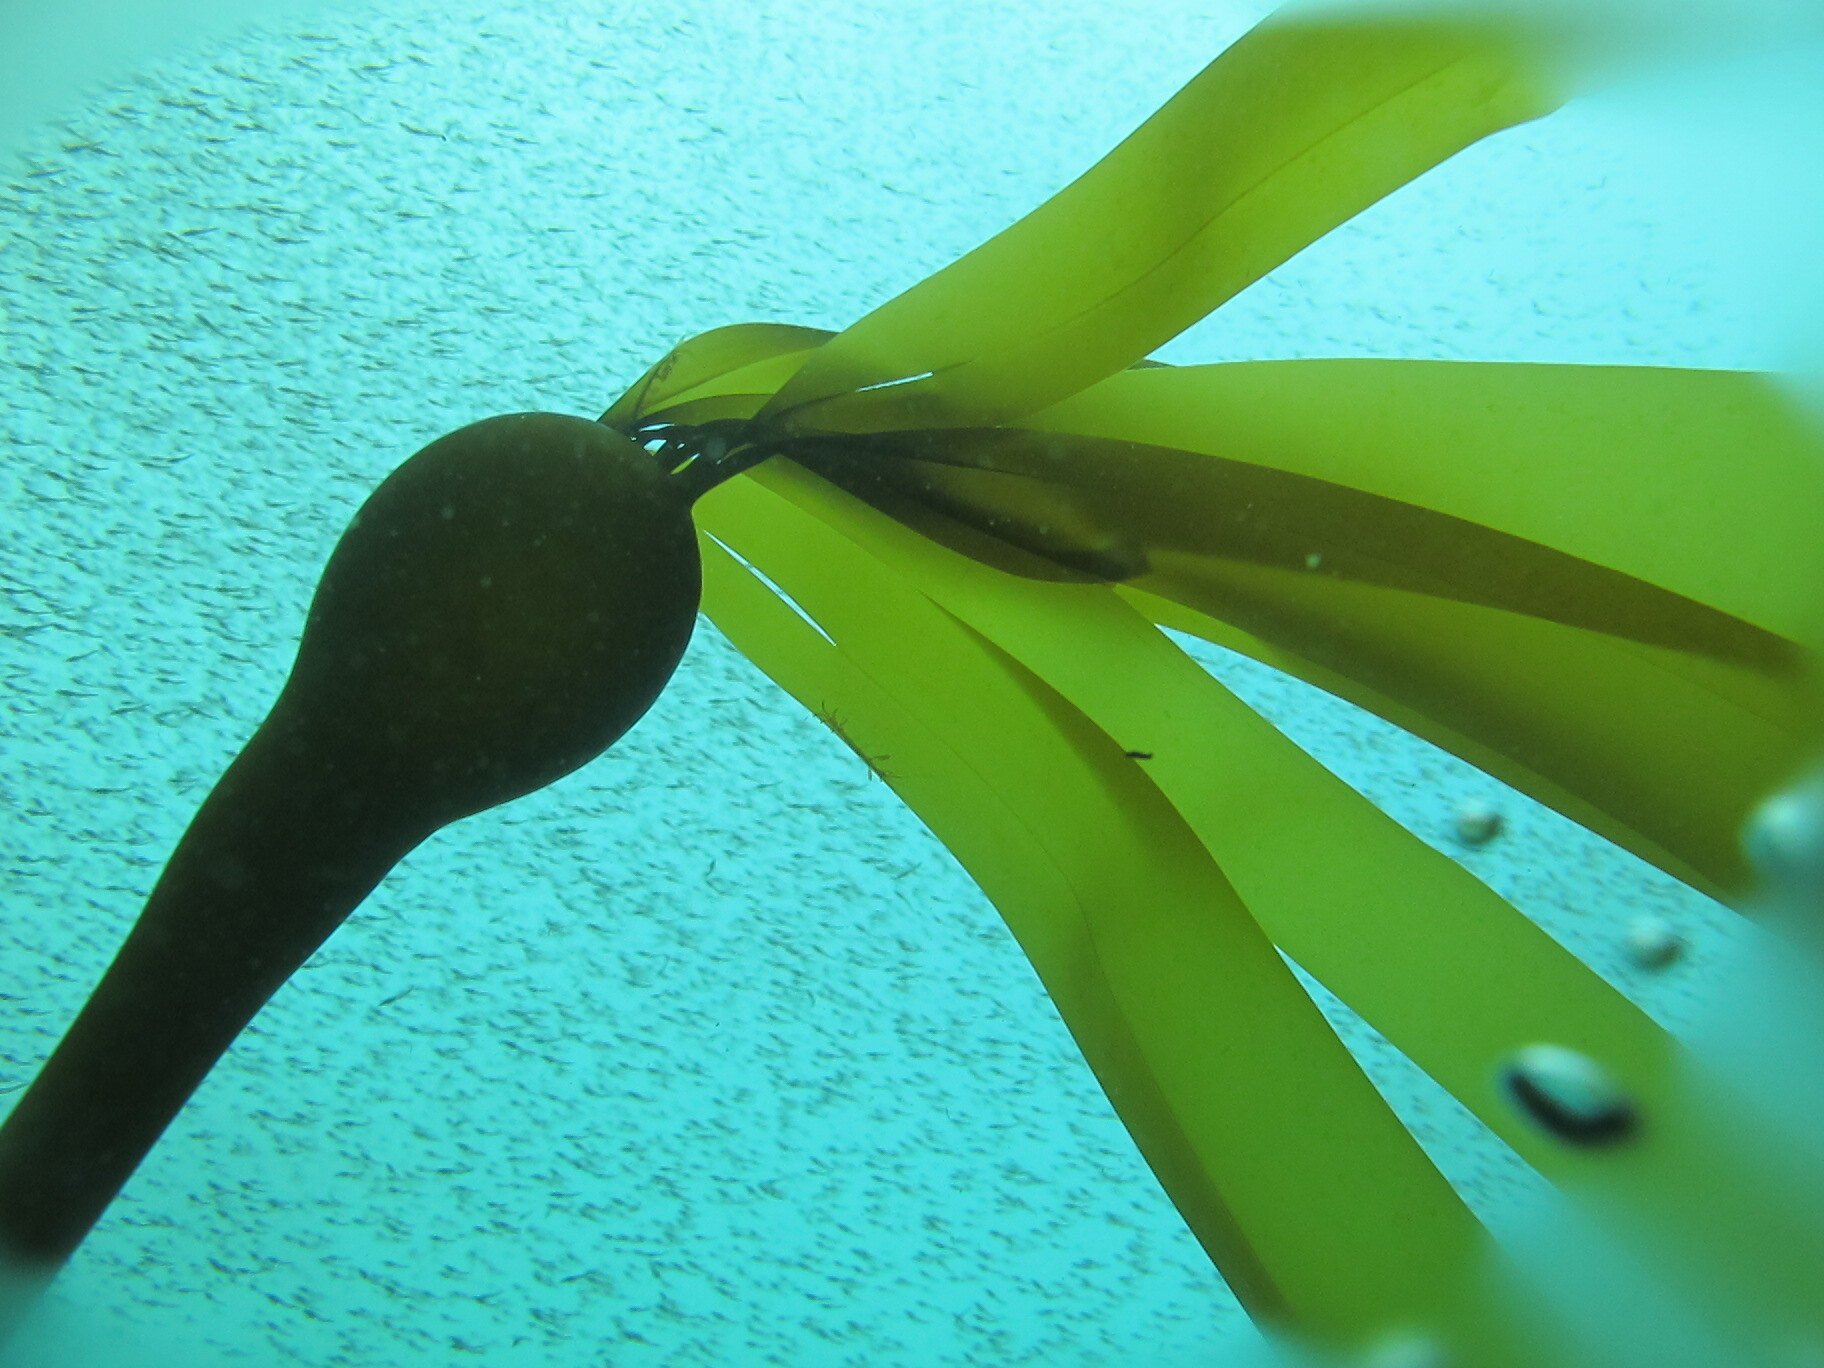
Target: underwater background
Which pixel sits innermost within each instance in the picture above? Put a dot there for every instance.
(708, 1054)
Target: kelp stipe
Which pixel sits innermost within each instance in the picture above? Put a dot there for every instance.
(508, 602)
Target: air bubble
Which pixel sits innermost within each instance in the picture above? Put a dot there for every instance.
(1653, 944)
(1478, 823)
(1783, 839)
(1406, 1349)
(1570, 1095)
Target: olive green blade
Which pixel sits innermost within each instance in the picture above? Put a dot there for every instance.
(1594, 582)
(1319, 1208)
(705, 359)
(1303, 123)
(1132, 750)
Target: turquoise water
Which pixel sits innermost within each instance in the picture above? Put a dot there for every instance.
(708, 1054)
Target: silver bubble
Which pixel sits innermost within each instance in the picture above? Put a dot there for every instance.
(1406, 1349)
(1783, 839)
(1653, 944)
(1478, 823)
(1570, 1095)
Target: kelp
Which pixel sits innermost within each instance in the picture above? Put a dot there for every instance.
(1140, 940)
(1597, 583)
(1441, 965)
(957, 530)
(1300, 125)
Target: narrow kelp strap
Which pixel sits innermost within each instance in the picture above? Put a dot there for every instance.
(1296, 128)
(709, 357)
(1446, 969)
(1703, 484)
(1687, 502)
(1178, 507)
(1458, 547)
(1726, 866)
(1280, 1155)
(1663, 754)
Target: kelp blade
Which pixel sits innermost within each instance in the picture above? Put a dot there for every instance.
(1702, 483)
(1447, 970)
(1300, 125)
(706, 359)
(1684, 505)
(1462, 548)
(1312, 1199)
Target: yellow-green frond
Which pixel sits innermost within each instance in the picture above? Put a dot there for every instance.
(1300, 125)
(1465, 549)
(1257, 1122)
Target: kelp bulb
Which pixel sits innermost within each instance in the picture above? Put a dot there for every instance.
(506, 604)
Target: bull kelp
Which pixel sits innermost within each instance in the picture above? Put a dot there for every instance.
(959, 526)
